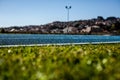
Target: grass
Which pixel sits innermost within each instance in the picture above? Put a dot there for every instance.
(75, 62)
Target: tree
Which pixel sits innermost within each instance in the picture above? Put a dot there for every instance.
(111, 18)
(2, 30)
(100, 18)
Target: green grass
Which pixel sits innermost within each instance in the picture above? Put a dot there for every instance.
(75, 62)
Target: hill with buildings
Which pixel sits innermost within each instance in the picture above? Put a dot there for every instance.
(99, 25)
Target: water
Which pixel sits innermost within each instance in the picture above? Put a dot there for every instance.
(28, 39)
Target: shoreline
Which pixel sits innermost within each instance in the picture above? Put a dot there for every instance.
(103, 34)
(61, 44)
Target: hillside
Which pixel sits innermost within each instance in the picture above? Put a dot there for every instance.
(99, 25)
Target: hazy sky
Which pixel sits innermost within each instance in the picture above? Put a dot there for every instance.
(36, 12)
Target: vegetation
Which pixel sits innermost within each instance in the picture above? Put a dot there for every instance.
(74, 62)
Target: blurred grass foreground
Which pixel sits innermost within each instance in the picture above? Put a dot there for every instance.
(73, 62)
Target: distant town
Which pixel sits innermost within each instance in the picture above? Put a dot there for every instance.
(99, 25)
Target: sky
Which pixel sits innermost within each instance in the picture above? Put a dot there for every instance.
(38, 12)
